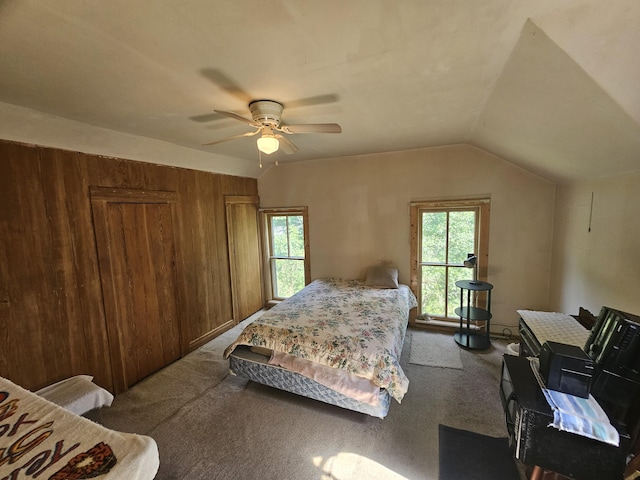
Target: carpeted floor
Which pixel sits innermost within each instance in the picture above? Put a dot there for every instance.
(209, 425)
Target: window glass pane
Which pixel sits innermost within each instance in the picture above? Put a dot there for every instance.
(289, 277)
(462, 229)
(447, 233)
(433, 283)
(453, 295)
(434, 237)
(287, 264)
(279, 241)
(296, 236)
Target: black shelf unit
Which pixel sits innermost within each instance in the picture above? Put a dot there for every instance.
(465, 337)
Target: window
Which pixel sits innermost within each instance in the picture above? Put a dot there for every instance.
(443, 234)
(286, 251)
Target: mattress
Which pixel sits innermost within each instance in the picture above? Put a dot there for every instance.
(253, 366)
(341, 324)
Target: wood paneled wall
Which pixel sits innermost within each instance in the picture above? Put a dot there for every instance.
(52, 321)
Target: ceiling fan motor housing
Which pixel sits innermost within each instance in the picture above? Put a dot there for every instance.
(266, 112)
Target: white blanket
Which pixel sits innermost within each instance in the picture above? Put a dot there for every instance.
(39, 439)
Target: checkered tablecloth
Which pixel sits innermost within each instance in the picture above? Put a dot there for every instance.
(555, 327)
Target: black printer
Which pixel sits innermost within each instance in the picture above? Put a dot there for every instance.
(566, 368)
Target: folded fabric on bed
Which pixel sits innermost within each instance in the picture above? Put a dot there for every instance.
(341, 324)
(245, 363)
(346, 383)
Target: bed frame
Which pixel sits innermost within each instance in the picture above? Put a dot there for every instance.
(323, 321)
(253, 366)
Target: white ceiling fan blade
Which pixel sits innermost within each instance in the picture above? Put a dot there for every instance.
(248, 134)
(311, 128)
(287, 146)
(238, 117)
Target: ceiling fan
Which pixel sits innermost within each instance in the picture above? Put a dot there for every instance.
(266, 119)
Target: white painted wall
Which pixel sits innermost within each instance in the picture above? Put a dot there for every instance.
(598, 267)
(359, 215)
(21, 124)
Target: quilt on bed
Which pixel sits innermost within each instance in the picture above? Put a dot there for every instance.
(341, 324)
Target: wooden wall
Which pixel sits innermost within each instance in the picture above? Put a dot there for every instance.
(52, 319)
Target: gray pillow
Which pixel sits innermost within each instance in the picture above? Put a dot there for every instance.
(382, 277)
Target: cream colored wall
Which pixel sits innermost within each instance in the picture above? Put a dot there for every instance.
(359, 215)
(21, 124)
(598, 267)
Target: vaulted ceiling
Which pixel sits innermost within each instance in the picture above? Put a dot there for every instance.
(550, 86)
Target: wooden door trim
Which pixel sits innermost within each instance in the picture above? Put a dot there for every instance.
(229, 201)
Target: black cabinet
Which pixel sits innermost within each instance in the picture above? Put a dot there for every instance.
(528, 416)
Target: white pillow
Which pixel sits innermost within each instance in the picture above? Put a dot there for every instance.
(382, 277)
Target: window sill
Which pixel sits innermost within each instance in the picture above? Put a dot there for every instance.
(429, 322)
(271, 303)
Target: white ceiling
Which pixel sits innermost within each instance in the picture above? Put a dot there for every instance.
(550, 86)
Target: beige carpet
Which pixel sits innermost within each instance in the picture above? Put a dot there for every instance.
(210, 425)
(434, 350)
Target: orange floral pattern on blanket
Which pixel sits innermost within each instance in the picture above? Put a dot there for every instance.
(93, 463)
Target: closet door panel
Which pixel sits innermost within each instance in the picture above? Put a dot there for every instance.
(137, 255)
(245, 255)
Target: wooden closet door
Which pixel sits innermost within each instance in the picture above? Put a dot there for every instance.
(137, 257)
(245, 255)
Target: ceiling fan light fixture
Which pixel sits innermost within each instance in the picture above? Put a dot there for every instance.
(265, 118)
(268, 144)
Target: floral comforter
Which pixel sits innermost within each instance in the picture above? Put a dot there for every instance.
(341, 324)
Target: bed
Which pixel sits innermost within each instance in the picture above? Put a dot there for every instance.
(39, 439)
(338, 341)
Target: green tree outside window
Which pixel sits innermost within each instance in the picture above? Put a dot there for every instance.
(446, 239)
(287, 254)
